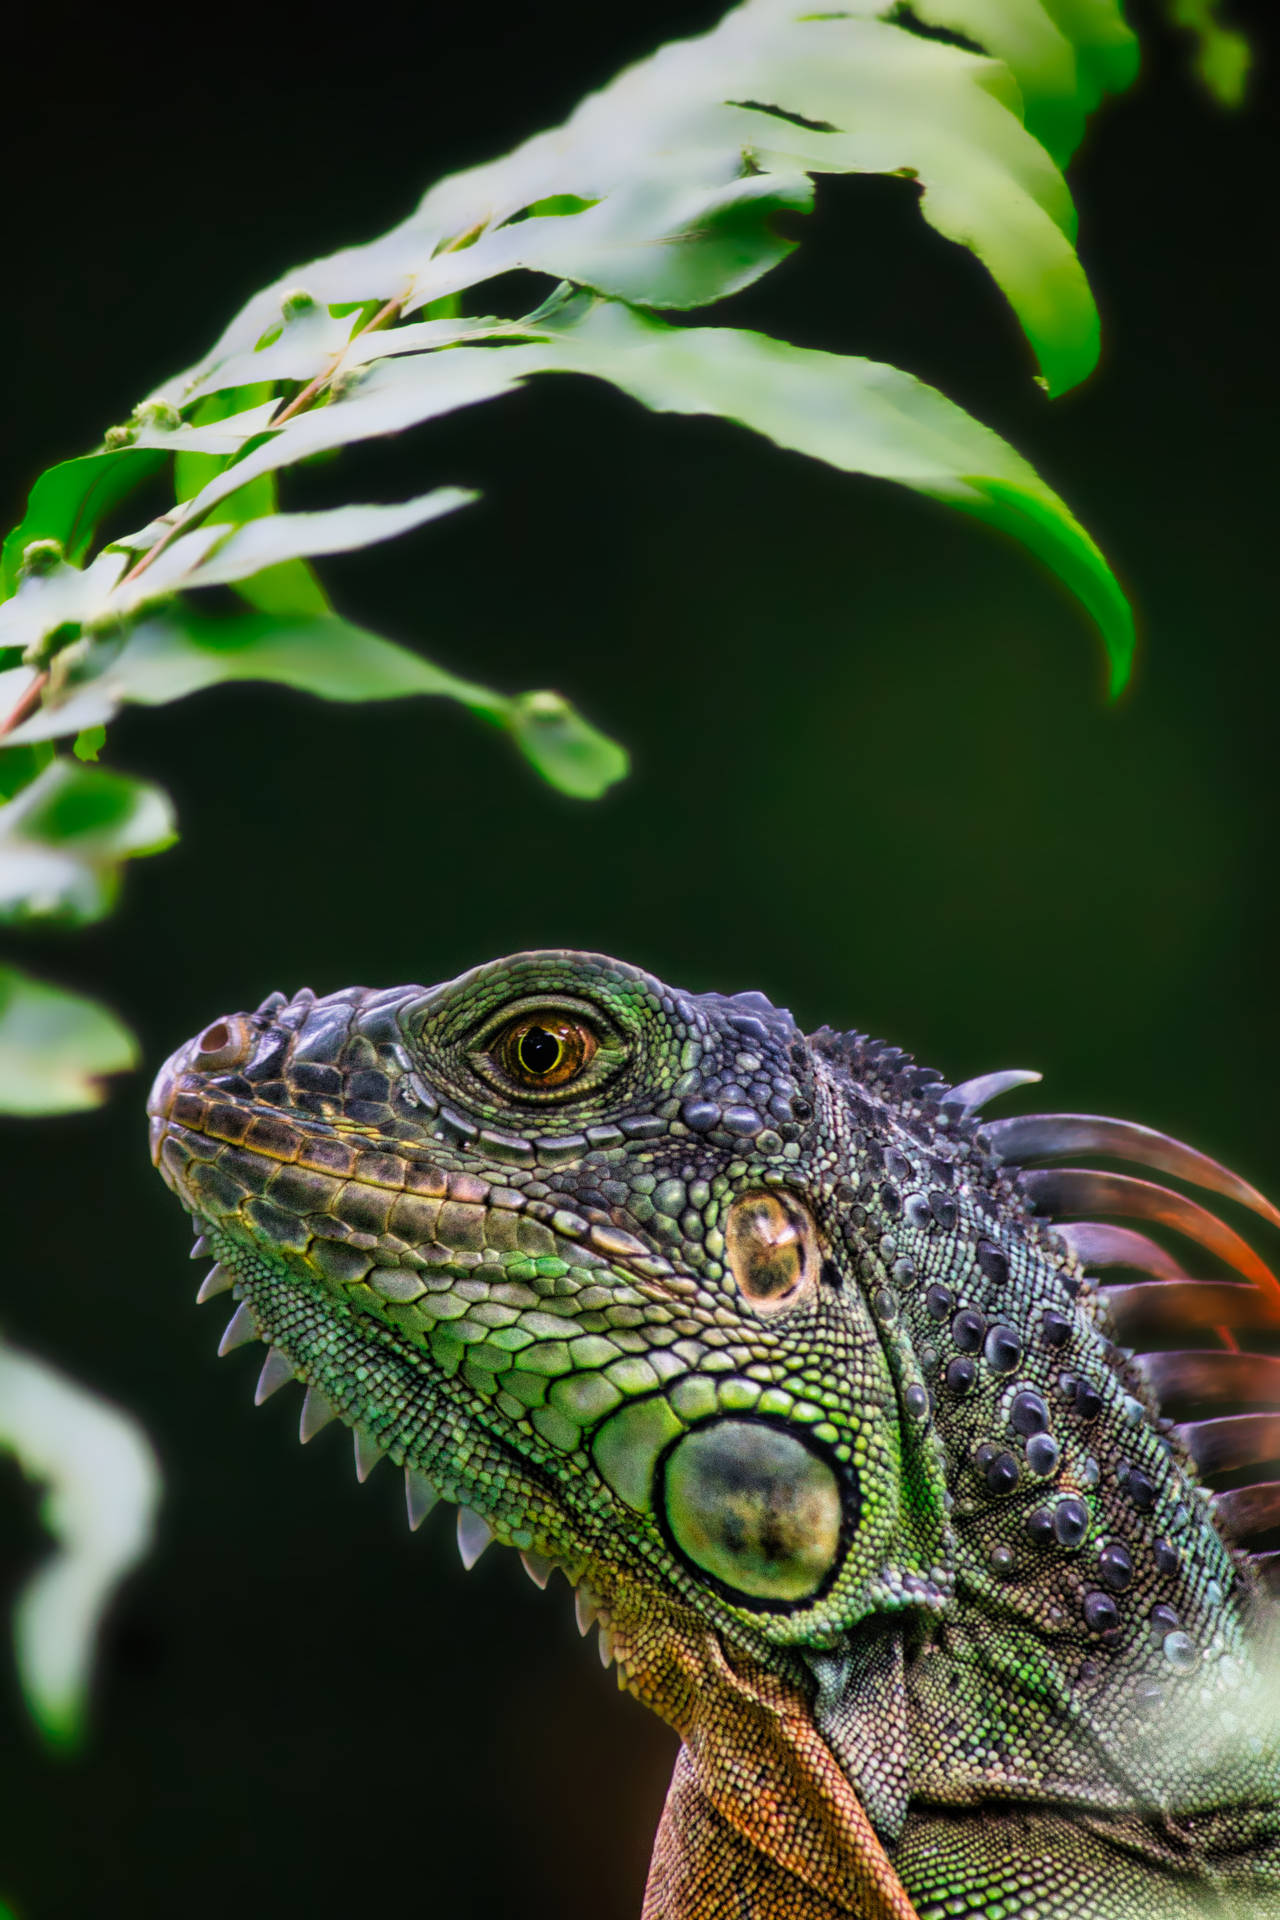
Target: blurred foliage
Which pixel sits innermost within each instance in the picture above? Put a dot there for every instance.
(1223, 57)
(101, 1485)
(674, 188)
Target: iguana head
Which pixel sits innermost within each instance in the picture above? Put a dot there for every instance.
(755, 1332)
(587, 1255)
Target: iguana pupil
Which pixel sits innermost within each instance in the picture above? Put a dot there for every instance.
(544, 1051)
(539, 1051)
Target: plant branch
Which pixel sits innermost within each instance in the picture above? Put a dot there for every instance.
(386, 313)
(27, 705)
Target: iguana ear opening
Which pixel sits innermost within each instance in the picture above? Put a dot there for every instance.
(771, 1247)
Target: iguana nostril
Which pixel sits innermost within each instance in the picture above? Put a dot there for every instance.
(224, 1044)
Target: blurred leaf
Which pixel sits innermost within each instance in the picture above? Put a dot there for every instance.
(193, 470)
(89, 744)
(661, 239)
(566, 749)
(287, 536)
(667, 191)
(179, 652)
(1223, 56)
(62, 596)
(225, 436)
(664, 190)
(398, 391)
(57, 596)
(863, 417)
(290, 586)
(855, 414)
(19, 765)
(53, 1045)
(63, 838)
(1064, 54)
(102, 1485)
(68, 501)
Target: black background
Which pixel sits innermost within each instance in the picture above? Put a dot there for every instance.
(874, 775)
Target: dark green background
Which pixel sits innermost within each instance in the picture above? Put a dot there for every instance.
(874, 775)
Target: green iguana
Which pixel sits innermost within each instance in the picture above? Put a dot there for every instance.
(788, 1361)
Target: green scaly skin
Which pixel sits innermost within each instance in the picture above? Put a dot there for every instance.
(752, 1335)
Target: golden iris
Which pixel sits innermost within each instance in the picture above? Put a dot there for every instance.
(545, 1049)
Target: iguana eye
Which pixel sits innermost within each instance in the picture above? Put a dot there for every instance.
(544, 1049)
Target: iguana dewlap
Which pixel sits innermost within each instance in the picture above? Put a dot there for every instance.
(791, 1364)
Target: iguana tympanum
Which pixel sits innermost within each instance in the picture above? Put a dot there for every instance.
(792, 1365)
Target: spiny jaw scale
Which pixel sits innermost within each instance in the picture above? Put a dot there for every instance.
(474, 1534)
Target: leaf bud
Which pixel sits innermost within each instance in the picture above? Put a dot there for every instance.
(158, 414)
(41, 556)
(345, 381)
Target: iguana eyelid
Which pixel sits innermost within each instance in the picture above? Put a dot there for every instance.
(606, 1053)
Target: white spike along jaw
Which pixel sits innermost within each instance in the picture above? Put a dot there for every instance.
(419, 1497)
(317, 1412)
(240, 1331)
(537, 1566)
(216, 1281)
(474, 1535)
(368, 1453)
(586, 1610)
(199, 1248)
(277, 1371)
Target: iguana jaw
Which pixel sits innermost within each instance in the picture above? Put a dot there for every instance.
(361, 1371)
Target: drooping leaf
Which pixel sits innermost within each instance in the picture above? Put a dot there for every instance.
(63, 838)
(259, 544)
(671, 178)
(664, 190)
(61, 596)
(54, 1046)
(661, 239)
(863, 417)
(1064, 54)
(172, 654)
(855, 414)
(167, 656)
(566, 749)
(102, 1485)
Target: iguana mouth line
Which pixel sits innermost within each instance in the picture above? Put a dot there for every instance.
(237, 1136)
